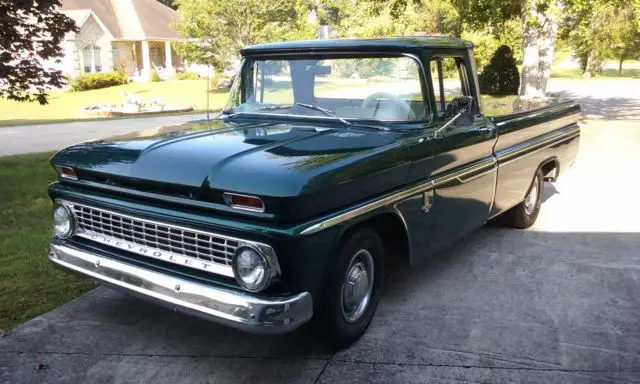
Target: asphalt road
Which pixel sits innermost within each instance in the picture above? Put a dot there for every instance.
(557, 303)
(51, 137)
(600, 99)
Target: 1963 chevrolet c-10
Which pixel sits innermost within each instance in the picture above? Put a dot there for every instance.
(331, 161)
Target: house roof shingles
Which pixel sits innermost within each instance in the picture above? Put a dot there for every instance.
(130, 19)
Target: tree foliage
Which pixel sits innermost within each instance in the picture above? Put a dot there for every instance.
(377, 18)
(30, 33)
(169, 3)
(501, 76)
(488, 39)
(539, 20)
(220, 28)
(601, 29)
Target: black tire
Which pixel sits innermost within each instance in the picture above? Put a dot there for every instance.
(331, 317)
(523, 215)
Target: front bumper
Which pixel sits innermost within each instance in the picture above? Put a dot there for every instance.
(225, 306)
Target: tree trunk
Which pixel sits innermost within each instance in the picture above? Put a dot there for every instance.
(546, 43)
(620, 66)
(589, 68)
(530, 79)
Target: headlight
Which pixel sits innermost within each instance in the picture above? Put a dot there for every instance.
(251, 269)
(62, 221)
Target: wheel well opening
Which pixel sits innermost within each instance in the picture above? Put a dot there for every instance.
(550, 170)
(393, 234)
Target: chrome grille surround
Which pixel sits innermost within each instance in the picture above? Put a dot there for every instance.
(171, 243)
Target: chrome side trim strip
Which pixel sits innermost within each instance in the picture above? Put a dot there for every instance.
(514, 153)
(367, 208)
(471, 173)
(460, 176)
(479, 175)
(232, 308)
(537, 113)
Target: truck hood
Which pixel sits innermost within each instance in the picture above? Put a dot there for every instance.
(299, 170)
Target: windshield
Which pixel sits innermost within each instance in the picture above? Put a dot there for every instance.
(371, 88)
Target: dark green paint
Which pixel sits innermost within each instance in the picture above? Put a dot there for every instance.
(308, 170)
(394, 44)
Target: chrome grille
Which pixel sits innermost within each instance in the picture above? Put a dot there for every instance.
(193, 248)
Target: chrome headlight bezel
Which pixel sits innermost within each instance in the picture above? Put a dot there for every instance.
(69, 217)
(266, 259)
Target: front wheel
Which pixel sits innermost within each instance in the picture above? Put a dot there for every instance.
(353, 288)
(523, 215)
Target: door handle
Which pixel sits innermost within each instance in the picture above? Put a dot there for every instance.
(486, 129)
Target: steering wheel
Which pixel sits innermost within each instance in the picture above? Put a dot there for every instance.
(400, 105)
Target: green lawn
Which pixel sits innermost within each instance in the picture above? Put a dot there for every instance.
(497, 105)
(607, 73)
(66, 105)
(29, 285)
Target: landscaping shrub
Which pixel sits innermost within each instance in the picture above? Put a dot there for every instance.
(97, 81)
(501, 77)
(187, 76)
(155, 78)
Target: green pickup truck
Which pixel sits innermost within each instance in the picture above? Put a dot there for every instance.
(331, 162)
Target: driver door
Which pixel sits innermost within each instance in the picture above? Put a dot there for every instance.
(463, 164)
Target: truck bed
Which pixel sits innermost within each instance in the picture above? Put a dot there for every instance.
(527, 139)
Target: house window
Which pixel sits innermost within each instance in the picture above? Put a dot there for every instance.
(92, 61)
(157, 56)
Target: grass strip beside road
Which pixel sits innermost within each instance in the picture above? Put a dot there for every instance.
(29, 284)
(65, 106)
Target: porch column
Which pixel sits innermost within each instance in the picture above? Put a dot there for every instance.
(146, 60)
(167, 53)
(169, 71)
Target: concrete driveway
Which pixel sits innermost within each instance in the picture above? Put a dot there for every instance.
(554, 304)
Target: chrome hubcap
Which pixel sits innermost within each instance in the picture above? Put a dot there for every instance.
(357, 286)
(531, 200)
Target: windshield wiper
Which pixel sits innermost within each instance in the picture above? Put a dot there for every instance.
(327, 112)
(232, 114)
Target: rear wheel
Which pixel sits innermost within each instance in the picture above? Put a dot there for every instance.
(525, 214)
(353, 288)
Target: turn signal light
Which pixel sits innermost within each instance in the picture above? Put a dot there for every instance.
(247, 203)
(67, 173)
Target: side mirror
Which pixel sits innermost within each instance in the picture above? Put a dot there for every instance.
(461, 111)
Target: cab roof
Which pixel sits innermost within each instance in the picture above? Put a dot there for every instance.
(372, 44)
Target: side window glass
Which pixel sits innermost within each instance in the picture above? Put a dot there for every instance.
(450, 80)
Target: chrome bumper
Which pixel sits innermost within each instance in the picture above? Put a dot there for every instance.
(228, 307)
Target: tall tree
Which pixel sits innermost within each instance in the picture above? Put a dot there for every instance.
(539, 19)
(31, 32)
(627, 34)
(601, 29)
(221, 27)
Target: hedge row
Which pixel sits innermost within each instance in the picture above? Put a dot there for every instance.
(97, 81)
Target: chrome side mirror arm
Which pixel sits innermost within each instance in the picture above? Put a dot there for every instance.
(449, 123)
